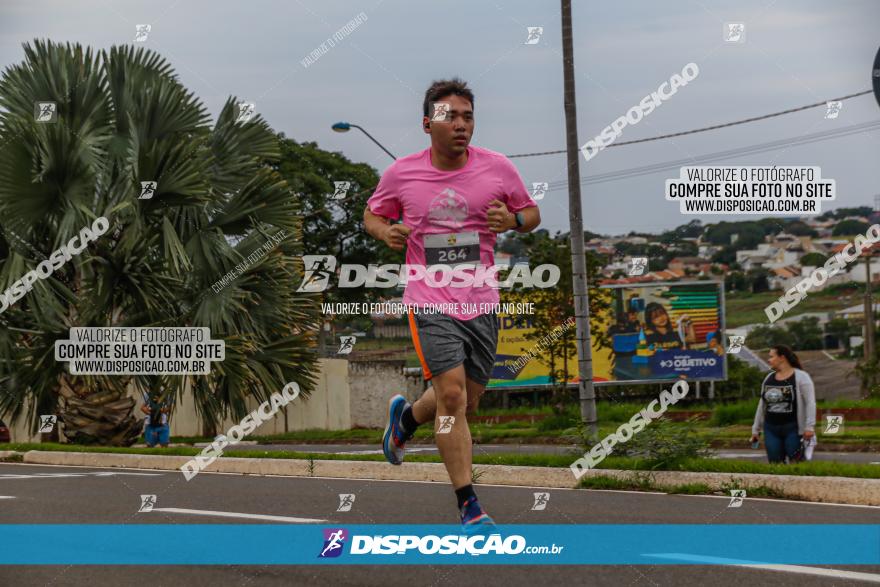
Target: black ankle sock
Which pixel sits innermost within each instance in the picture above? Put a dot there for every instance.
(464, 493)
(408, 422)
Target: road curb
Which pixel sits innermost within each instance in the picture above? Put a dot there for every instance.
(842, 490)
(839, 490)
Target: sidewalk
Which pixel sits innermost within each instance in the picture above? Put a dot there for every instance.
(841, 490)
(845, 454)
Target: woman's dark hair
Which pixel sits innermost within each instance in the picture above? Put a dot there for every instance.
(447, 87)
(649, 315)
(783, 350)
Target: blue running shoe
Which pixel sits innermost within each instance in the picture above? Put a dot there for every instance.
(394, 439)
(475, 520)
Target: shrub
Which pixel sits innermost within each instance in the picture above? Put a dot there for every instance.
(663, 443)
(738, 413)
(558, 422)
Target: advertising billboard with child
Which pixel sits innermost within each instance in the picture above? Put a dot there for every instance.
(660, 332)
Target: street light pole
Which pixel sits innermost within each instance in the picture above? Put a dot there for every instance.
(869, 310)
(869, 303)
(346, 126)
(586, 392)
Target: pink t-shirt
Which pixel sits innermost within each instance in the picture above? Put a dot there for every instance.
(446, 211)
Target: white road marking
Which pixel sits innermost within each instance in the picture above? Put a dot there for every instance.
(612, 491)
(112, 473)
(795, 501)
(40, 476)
(365, 479)
(797, 569)
(240, 515)
(57, 475)
(7, 497)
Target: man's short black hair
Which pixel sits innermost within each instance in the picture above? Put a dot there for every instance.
(446, 87)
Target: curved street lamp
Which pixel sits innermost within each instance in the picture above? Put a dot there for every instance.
(346, 126)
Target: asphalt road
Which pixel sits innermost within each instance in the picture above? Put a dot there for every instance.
(360, 449)
(46, 494)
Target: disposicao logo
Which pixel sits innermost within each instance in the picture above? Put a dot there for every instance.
(334, 542)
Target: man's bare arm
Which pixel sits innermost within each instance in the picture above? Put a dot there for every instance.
(531, 219)
(500, 219)
(380, 228)
(375, 225)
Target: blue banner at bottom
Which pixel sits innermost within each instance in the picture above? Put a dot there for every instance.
(526, 544)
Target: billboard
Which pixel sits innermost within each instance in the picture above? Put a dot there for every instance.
(651, 332)
(518, 360)
(660, 332)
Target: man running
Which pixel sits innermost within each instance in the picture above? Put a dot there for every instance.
(454, 199)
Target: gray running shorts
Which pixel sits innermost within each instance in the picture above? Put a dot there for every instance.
(443, 343)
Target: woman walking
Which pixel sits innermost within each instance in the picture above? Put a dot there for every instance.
(787, 408)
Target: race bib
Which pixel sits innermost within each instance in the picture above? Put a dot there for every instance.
(453, 249)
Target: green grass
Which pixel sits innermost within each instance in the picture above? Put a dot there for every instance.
(850, 434)
(52, 446)
(605, 482)
(814, 469)
(186, 439)
(743, 411)
(872, 402)
(481, 432)
(723, 414)
(747, 308)
(317, 435)
(533, 460)
(735, 413)
(641, 483)
(518, 411)
(701, 465)
(727, 420)
(739, 431)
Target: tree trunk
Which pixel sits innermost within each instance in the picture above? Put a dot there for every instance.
(99, 416)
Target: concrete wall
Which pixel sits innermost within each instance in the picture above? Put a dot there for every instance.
(18, 430)
(328, 408)
(372, 383)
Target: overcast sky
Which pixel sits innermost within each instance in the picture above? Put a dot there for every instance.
(796, 52)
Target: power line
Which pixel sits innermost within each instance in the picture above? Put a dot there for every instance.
(636, 171)
(707, 128)
(740, 151)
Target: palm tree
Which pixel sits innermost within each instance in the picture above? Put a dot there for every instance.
(124, 118)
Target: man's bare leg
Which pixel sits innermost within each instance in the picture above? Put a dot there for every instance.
(424, 409)
(452, 395)
(474, 393)
(455, 445)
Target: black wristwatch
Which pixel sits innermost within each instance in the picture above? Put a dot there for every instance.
(520, 222)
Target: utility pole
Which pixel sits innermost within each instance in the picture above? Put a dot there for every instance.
(322, 337)
(869, 305)
(869, 309)
(586, 392)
